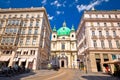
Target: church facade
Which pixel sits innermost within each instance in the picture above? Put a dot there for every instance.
(63, 47)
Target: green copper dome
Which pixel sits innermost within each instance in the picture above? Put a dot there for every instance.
(63, 31)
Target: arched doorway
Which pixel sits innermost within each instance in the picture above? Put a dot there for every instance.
(62, 64)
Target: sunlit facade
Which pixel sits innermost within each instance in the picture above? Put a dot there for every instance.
(24, 37)
(98, 39)
(63, 47)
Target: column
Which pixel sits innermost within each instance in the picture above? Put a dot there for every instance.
(111, 65)
(75, 61)
(35, 62)
(102, 60)
(11, 60)
(93, 62)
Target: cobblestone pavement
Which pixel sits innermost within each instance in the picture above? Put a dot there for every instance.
(62, 74)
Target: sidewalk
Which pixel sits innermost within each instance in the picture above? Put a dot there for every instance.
(30, 75)
(96, 76)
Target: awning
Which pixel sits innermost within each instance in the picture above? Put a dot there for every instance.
(4, 58)
(23, 60)
(112, 62)
(30, 60)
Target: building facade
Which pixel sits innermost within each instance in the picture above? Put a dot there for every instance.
(24, 37)
(98, 39)
(63, 47)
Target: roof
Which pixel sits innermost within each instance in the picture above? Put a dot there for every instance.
(63, 31)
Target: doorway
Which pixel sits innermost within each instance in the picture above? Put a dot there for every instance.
(23, 64)
(98, 65)
(62, 64)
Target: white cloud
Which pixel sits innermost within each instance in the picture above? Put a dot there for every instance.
(92, 4)
(50, 17)
(59, 12)
(58, 4)
(44, 2)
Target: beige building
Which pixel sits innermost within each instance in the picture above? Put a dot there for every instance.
(98, 39)
(63, 47)
(24, 37)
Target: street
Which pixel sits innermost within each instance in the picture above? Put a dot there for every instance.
(62, 74)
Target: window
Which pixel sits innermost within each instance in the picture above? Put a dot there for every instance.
(34, 41)
(4, 16)
(72, 45)
(7, 30)
(94, 43)
(31, 24)
(114, 33)
(12, 40)
(117, 44)
(37, 23)
(93, 33)
(17, 22)
(63, 46)
(23, 31)
(118, 24)
(53, 45)
(28, 41)
(1, 24)
(38, 16)
(30, 31)
(72, 35)
(105, 56)
(11, 30)
(105, 24)
(63, 37)
(25, 53)
(102, 44)
(98, 24)
(36, 31)
(27, 16)
(53, 36)
(15, 30)
(24, 24)
(100, 33)
(110, 44)
(8, 23)
(9, 16)
(32, 52)
(21, 41)
(114, 56)
(107, 33)
(3, 40)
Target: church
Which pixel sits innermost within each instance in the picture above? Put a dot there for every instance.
(63, 47)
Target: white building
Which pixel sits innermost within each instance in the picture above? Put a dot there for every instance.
(63, 47)
(24, 37)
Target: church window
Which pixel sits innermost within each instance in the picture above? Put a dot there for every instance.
(54, 36)
(63, 37)
(72, 35)
(63, 46)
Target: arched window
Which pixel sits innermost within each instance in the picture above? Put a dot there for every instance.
(72, 35)
(63, 46)
(53, 36)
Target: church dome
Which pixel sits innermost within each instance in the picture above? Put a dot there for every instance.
(63, 31)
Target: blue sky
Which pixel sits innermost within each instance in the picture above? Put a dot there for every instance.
(63, 10)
